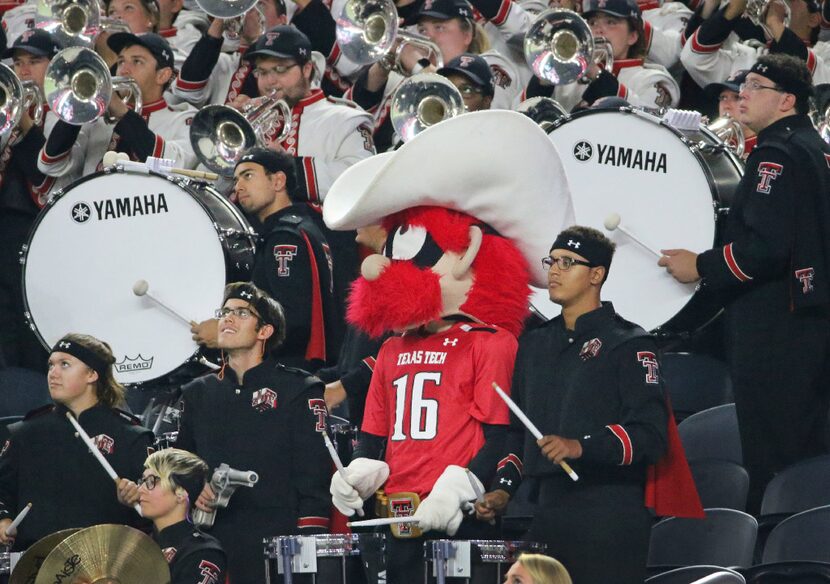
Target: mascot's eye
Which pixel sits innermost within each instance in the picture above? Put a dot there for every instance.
(405, 242)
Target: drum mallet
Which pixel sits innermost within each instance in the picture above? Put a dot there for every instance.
(531, 427)
(11, 530)
(337, 462)
(97, 453)
(612, 222)
(477, 490)
(382, 521)
(142, 288)
(153, 164)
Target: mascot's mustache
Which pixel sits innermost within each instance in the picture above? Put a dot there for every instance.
(402, 296)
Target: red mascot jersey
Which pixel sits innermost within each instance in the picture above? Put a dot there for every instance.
(429, 395)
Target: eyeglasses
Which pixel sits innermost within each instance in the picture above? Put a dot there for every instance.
(241, 313)
(469, 90)
(149, 482)
(753, 86)
(564, 263)
(260, 73)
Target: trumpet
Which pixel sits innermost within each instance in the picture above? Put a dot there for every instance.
(756, 11)
(823, 125)
(542, 110)
(367, 31)
(17, 97)
(422, 101)
(233, 13)
(559, 47)
(79, 87)
(730, 132)
(220, 134)
(75, 22)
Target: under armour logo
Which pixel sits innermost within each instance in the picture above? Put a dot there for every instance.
(246, 295)
(761, 68)
(805, 276)
(64, 344)
(574, 244)
(450, 342)
(507, 482)
(302, 51)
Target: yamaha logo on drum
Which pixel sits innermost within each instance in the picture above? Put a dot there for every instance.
(583, 151)
(138, 363)
(621, 156)
(81, 212)
(131, 206)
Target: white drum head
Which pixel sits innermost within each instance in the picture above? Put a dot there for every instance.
(91, 246)
(629, 164)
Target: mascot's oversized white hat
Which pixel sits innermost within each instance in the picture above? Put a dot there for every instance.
(496, 165)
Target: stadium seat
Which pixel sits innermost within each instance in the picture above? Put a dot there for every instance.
(712, 433)
(21, 391)
(803, 537)
(695, 383)
(721, 483)
(694, 574)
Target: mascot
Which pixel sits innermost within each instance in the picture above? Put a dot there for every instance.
(470, 206)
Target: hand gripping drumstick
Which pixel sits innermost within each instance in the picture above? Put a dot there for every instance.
(337, 462)
(531, 427)
(612, 222)
(97, 454)
(142, 288)
(160, 165)
(12, 528)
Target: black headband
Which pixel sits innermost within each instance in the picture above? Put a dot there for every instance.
(257, 300)
(77, 350)
(593, 251)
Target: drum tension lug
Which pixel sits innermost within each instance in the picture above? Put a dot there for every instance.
(455, 555)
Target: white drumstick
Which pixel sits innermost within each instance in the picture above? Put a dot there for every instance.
(337, 462)
(383, 521)
(142, 288)
(612, 222)
(531, 427)
(12, 528)
(97, 453)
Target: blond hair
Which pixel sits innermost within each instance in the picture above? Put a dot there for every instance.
(179, 469)
(544, 569)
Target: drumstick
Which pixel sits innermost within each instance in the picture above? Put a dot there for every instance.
(142, 288)
(12, 528)
(531, 427)
(612, 222)
(160, 165)
(97, 453)
(337, 462)
(383, 521)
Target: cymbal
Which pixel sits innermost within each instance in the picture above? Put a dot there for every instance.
(32, 559)
(105, 554)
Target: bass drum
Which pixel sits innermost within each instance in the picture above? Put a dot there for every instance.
(96, 240)
(668, 188)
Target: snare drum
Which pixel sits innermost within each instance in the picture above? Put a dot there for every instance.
(668, 187)
(94, 241)
(477, 561)
(325, 559)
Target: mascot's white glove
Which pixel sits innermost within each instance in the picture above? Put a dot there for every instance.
(442, 509)
(363, 477)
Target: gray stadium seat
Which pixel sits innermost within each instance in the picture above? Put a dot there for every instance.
(803, 537)
(712, 433)
(695, 382)
(721, 483)
(693, 574)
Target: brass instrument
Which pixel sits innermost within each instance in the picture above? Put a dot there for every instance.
(233, 13)
(730, 132)
(421, 101)
(75, 22)
(16, 97)
(542, 110)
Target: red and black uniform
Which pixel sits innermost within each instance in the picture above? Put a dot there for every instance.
(270, 424)
(773, 274)
(46, 464)
(598, 384)
(294, 265)
(194, 557)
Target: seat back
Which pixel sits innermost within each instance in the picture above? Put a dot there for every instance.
(712, 433)
(721, 483)
(695, 382)
(803, 537)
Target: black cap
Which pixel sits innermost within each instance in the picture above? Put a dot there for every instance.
(784, 73)
(265, 157)
(621, 8)
(157, 45)
(473, 68)
(36, 42)
(446, 9)
(733, 83)
(283, 42)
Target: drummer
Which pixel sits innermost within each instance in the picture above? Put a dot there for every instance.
(46, 464)
(168, 491)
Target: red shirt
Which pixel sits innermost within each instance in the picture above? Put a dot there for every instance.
(429, 396)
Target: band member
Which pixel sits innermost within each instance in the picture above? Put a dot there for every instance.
(258, 415)
(728, 99)
(172, 481)
(472, 76)
(23, 191)
(293, 262)
(46, 464)
(161, 130)
(772, 275)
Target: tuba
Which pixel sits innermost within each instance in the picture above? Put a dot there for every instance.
(220, 134)
(233, 13)
(559, 47)
(367, 31)
(542, 110)
(75, 22)
(730, 132)
(16, 97)
(78, 86)
(422, 101)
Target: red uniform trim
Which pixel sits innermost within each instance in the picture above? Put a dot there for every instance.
(313, 521)
(622, 91)
(370, 363)
(190, 85)
(625, 440)
(316, 348)
(811, 61)
(334, 54)
(511, 459)
(169, 32)
(46, 159)
(310, 179)
(625, 64)
(729, 258)
(699, 47)
(504, 11)
(158, 150)
(649, 33)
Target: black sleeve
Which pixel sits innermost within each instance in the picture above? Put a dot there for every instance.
(185, 438)
(790, 44)
(362, 96)
(484, 463)
(202, 59)
(536, 88)
(715, 29)
(207, 565)
(489, 9)
(369, 446)
(8, 479)
(509, 468)
(605, 85)
(61, 139)
(694, 22)
(316, 21)
(25, 154)
(137, 138)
